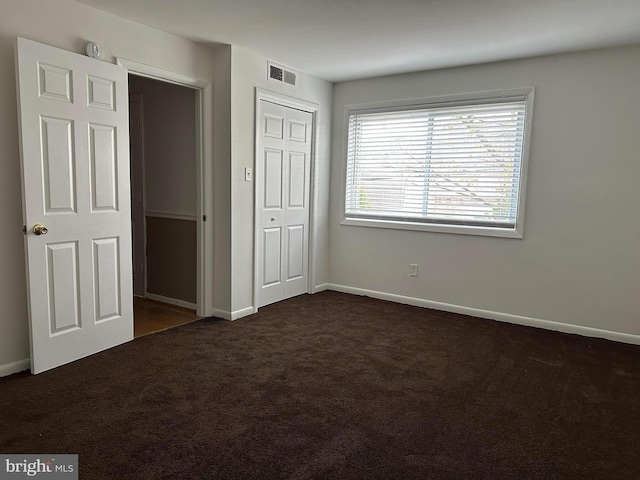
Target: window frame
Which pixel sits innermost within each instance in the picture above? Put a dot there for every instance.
(478, 98)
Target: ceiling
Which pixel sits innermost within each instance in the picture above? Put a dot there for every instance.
(342, 40)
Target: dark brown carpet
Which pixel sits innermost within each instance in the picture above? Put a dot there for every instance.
(334, 386)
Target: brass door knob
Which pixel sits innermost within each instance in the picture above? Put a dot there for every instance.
(39, 229)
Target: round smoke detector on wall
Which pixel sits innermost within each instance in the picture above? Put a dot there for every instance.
(93, 50)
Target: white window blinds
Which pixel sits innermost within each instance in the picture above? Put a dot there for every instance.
(455, 165)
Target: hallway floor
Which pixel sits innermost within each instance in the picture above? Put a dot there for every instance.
(150, 316)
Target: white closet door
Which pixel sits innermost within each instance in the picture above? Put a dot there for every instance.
(283, 180)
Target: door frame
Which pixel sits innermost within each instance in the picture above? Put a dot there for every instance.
(140, 97)
(204, 174)
(305, 106)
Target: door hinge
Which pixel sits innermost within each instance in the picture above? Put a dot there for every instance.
(204, 218)
(24, 229)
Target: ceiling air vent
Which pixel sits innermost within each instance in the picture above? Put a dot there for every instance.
(281, 75)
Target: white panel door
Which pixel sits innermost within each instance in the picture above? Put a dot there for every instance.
(282, 189)
(75, 171)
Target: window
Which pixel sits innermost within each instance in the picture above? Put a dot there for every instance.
(454, 166)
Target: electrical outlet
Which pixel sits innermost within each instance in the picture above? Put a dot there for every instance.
(413, 270)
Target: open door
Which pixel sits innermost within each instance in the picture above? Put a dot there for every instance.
(75, 171)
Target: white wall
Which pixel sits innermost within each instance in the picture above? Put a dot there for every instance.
(249, 71)
(222, 178)
(579, 261)
(68, 25)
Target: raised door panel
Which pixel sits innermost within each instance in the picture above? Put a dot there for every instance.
(58, 165)
(107, 285)
(63, 289)
(298, 131)
(55, 83)
(272, 176)
(104, 167)
(101, 92)
(272, 239)
(297, 180)
(295, 251)
(273, 126)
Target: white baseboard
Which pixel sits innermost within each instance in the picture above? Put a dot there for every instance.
(224, 314)
(320, 288)
(227, 315)
(171, 216)
(499, 316)
(243, 312)
(15, 367)
(172, 301)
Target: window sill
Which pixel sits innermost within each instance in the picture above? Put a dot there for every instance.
(433, 227)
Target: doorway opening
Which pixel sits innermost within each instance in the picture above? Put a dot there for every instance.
(163, 132)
